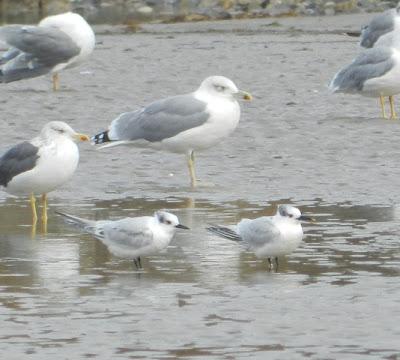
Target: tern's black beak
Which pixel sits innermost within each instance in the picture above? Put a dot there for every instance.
(180, 226)
(306, 218)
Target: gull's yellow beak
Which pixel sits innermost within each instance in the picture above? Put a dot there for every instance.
(245, 95)
(81, 137)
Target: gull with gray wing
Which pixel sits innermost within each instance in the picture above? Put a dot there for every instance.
(374, 72)
(58, 42)
(131, 238)
(380, 30)
(42, 164)
(267, 236)
(182, 123)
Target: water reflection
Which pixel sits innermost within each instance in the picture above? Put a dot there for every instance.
(201, 282)
(345, 238)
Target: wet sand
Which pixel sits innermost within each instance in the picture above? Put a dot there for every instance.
(63, 295)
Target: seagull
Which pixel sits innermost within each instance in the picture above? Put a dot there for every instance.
(57, 42)
(375, 73)
(42, 164)
(380, 30)
(182, 123)
(132, 237)
(268, 236)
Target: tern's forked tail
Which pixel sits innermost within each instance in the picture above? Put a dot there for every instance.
(224, 232)
(81, 223)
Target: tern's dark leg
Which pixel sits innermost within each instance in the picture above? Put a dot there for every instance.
(271, 266)
(135, 261)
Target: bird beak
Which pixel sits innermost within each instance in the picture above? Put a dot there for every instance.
(245, 95)
(306, 218)
(81, 137)
(180, 226)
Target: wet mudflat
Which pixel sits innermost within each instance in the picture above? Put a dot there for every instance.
(63, 295)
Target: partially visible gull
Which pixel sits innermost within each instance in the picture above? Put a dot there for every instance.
(183, 123)
(375, 73)
(42, 164)
(380, 30)
(132, 238)
(58, 42)
(268, 236)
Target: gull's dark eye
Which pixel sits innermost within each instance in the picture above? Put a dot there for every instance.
(290, 215)
(61, 131)
(168, 222)
(220, 88)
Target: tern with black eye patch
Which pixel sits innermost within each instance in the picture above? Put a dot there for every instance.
(268, 236)
(132, 237)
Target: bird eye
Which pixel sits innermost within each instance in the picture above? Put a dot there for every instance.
(220, 88)
(168, 222)
(61, 131)
(290, 215)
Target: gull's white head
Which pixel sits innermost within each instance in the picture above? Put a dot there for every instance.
(291, 213)
(223, 87)
(168, 221)
(56, 129)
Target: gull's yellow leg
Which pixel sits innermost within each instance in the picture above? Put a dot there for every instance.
(393, 114)
(56, 82)
(190, 160)
(33, 206)
(44, 213)
(382, 102)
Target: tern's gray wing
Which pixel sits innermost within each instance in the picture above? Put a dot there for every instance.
(370, 64)
(128, 233)
(160, 120)
(379, 25)
(39, 50)
(18, 159)
(258, 232)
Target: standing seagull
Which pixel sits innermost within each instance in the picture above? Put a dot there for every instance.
(182, 123)
(268, 236)
(132, 238)
(374, 72)
(42, 164)
(58, 42)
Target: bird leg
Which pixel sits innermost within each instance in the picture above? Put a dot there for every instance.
(136, 261)
(271, 266)
(44, 213)
(277, 264)
(33, 207)
(190, 161)
(382, 102)
(140, 262)
(56, 82)
(393, 114)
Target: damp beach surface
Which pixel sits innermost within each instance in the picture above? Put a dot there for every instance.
(63, 295)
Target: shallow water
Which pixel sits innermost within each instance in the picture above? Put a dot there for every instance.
(63, 295)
